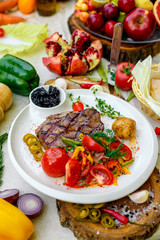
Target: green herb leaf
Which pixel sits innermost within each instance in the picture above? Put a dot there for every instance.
(131, 95)
(117, 90)
(70, 96)
(94, 79)
(3, 137)
(106, 109)
(101, 72)
(2, 140)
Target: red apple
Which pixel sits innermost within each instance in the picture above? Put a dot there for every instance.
(109, 27)
(126, 5)
(139, 24)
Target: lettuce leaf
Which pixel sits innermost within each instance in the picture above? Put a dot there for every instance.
(22, 37)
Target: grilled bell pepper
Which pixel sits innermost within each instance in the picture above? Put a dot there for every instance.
(14, 224)
(19, 75)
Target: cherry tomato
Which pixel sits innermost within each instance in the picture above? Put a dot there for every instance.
(123, 74)
(123, 149)
(78, 106)
(2, 32)
(54, 161)
(91, 144)
(73, 171)
(102, 174)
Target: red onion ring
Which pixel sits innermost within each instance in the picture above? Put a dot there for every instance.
(30, 204)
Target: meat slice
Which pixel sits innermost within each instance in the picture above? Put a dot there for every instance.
(69, 125)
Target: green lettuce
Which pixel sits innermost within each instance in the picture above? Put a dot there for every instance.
(22, 37)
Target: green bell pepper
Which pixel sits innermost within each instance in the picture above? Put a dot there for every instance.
(19, 75)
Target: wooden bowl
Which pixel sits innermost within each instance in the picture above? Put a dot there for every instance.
(144, 105)
(128, 52)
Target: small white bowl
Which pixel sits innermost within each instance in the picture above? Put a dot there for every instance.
(44, 110)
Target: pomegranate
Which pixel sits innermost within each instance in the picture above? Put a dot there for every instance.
(76, 58)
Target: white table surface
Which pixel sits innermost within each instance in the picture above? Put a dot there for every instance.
(47, 225)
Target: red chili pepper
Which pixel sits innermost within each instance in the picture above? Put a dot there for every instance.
(89, 85)
(157, 130)
(116, 215)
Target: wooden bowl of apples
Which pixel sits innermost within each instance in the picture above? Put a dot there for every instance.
(141, 35)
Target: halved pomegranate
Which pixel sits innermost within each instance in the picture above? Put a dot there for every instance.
(80, 41)
(55, 44)
(75, 58)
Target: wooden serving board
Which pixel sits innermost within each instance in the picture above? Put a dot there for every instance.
(128, 52)
(73, 82)
(146, 214)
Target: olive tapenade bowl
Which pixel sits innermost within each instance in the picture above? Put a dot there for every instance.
(44, 99)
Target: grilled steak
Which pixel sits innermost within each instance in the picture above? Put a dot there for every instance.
(69, 125)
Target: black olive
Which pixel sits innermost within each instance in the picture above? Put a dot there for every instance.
(42, 92)
(44, 98)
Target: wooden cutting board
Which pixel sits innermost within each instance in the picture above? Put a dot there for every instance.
(147, 213)
(128, 52)
(75, 81)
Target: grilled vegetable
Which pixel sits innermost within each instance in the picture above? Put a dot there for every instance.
(18, 74)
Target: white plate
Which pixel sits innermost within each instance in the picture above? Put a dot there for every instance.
(145, 158)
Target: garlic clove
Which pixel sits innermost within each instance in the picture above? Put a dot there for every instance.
(61, 82)
(139, 196)
(97, 87)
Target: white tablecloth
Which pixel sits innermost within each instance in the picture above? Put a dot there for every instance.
(47, 225)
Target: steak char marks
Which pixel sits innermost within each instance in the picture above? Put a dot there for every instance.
(69, 125)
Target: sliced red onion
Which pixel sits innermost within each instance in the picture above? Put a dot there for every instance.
(10, 195)
(30, 204)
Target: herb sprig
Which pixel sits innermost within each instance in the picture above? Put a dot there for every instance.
(3, 138)
(106, 109)
(101, 105)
